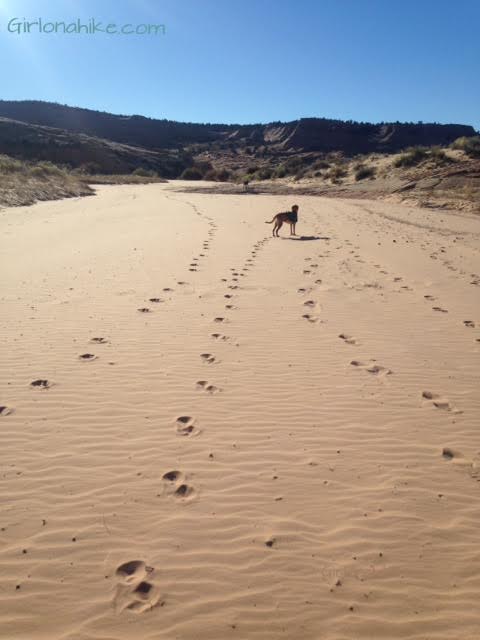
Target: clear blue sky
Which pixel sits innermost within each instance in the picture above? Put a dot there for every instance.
(253, 60)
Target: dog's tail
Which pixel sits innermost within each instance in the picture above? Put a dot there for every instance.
(270, 221)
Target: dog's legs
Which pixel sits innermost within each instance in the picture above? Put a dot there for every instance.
(278, 226)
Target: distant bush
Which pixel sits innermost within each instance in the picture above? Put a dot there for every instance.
(336, 172)
(293, 165)
(252, 169)
(192, 173)
(203, 166)
(36, 170)
(280, 171)
(218, 176)
(90, 168)
(223, 175)
(363, 172)
(144, 173)
(265, 173)
(320, 164)
(471, 146)
(210, 175)
(10, 165)
(46, 169)
(412, 157)
(438, 154)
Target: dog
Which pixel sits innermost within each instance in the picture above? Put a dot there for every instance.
(290, 217)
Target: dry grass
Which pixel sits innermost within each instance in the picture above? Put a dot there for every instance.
(119, 179)
(24, 183)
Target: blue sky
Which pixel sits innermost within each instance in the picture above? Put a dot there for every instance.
(253, 60)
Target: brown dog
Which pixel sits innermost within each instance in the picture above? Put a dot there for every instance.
(290, 217)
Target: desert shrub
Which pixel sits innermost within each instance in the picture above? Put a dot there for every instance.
(223, 175)
(10, 165)
(210, 175)
(252, 168)
(320, 164)
(470, 145)
(144, 173)
(293, 165)
(203, 166)
(192, 173)
(411, 157)
(438, 154)
(90, 168)
(363, 172)
(280, 171)
(46, 169)
(299, 175)
(265, 173)
(336, 172)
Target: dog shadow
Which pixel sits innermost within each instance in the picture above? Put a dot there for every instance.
(307, 238)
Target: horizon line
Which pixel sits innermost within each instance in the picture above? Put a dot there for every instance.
(246, 124)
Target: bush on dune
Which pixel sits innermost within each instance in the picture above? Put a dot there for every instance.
(144, 173)
(363, 172)
(192, 173)
(416, 155)
(470, 146)
(412, 157)
(11, 165)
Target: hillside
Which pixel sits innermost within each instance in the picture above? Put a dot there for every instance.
(328, 157)
(28, 141)
(306, 134)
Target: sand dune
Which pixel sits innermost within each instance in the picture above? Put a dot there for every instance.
(208, 433)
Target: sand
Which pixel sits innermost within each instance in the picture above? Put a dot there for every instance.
(235, 436)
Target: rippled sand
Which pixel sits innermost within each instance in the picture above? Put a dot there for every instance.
(235, 436)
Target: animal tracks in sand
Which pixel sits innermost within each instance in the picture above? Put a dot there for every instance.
(136, 590)
(208, 358)
(372, 367)
(218, 336)
(204, 385)
(439, 402)
(346, 338)
(455, 457)
(41, 384)
(185, 426)
(176, 485)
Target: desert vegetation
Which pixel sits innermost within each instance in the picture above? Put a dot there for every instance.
(23, 183)
(470, 146)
